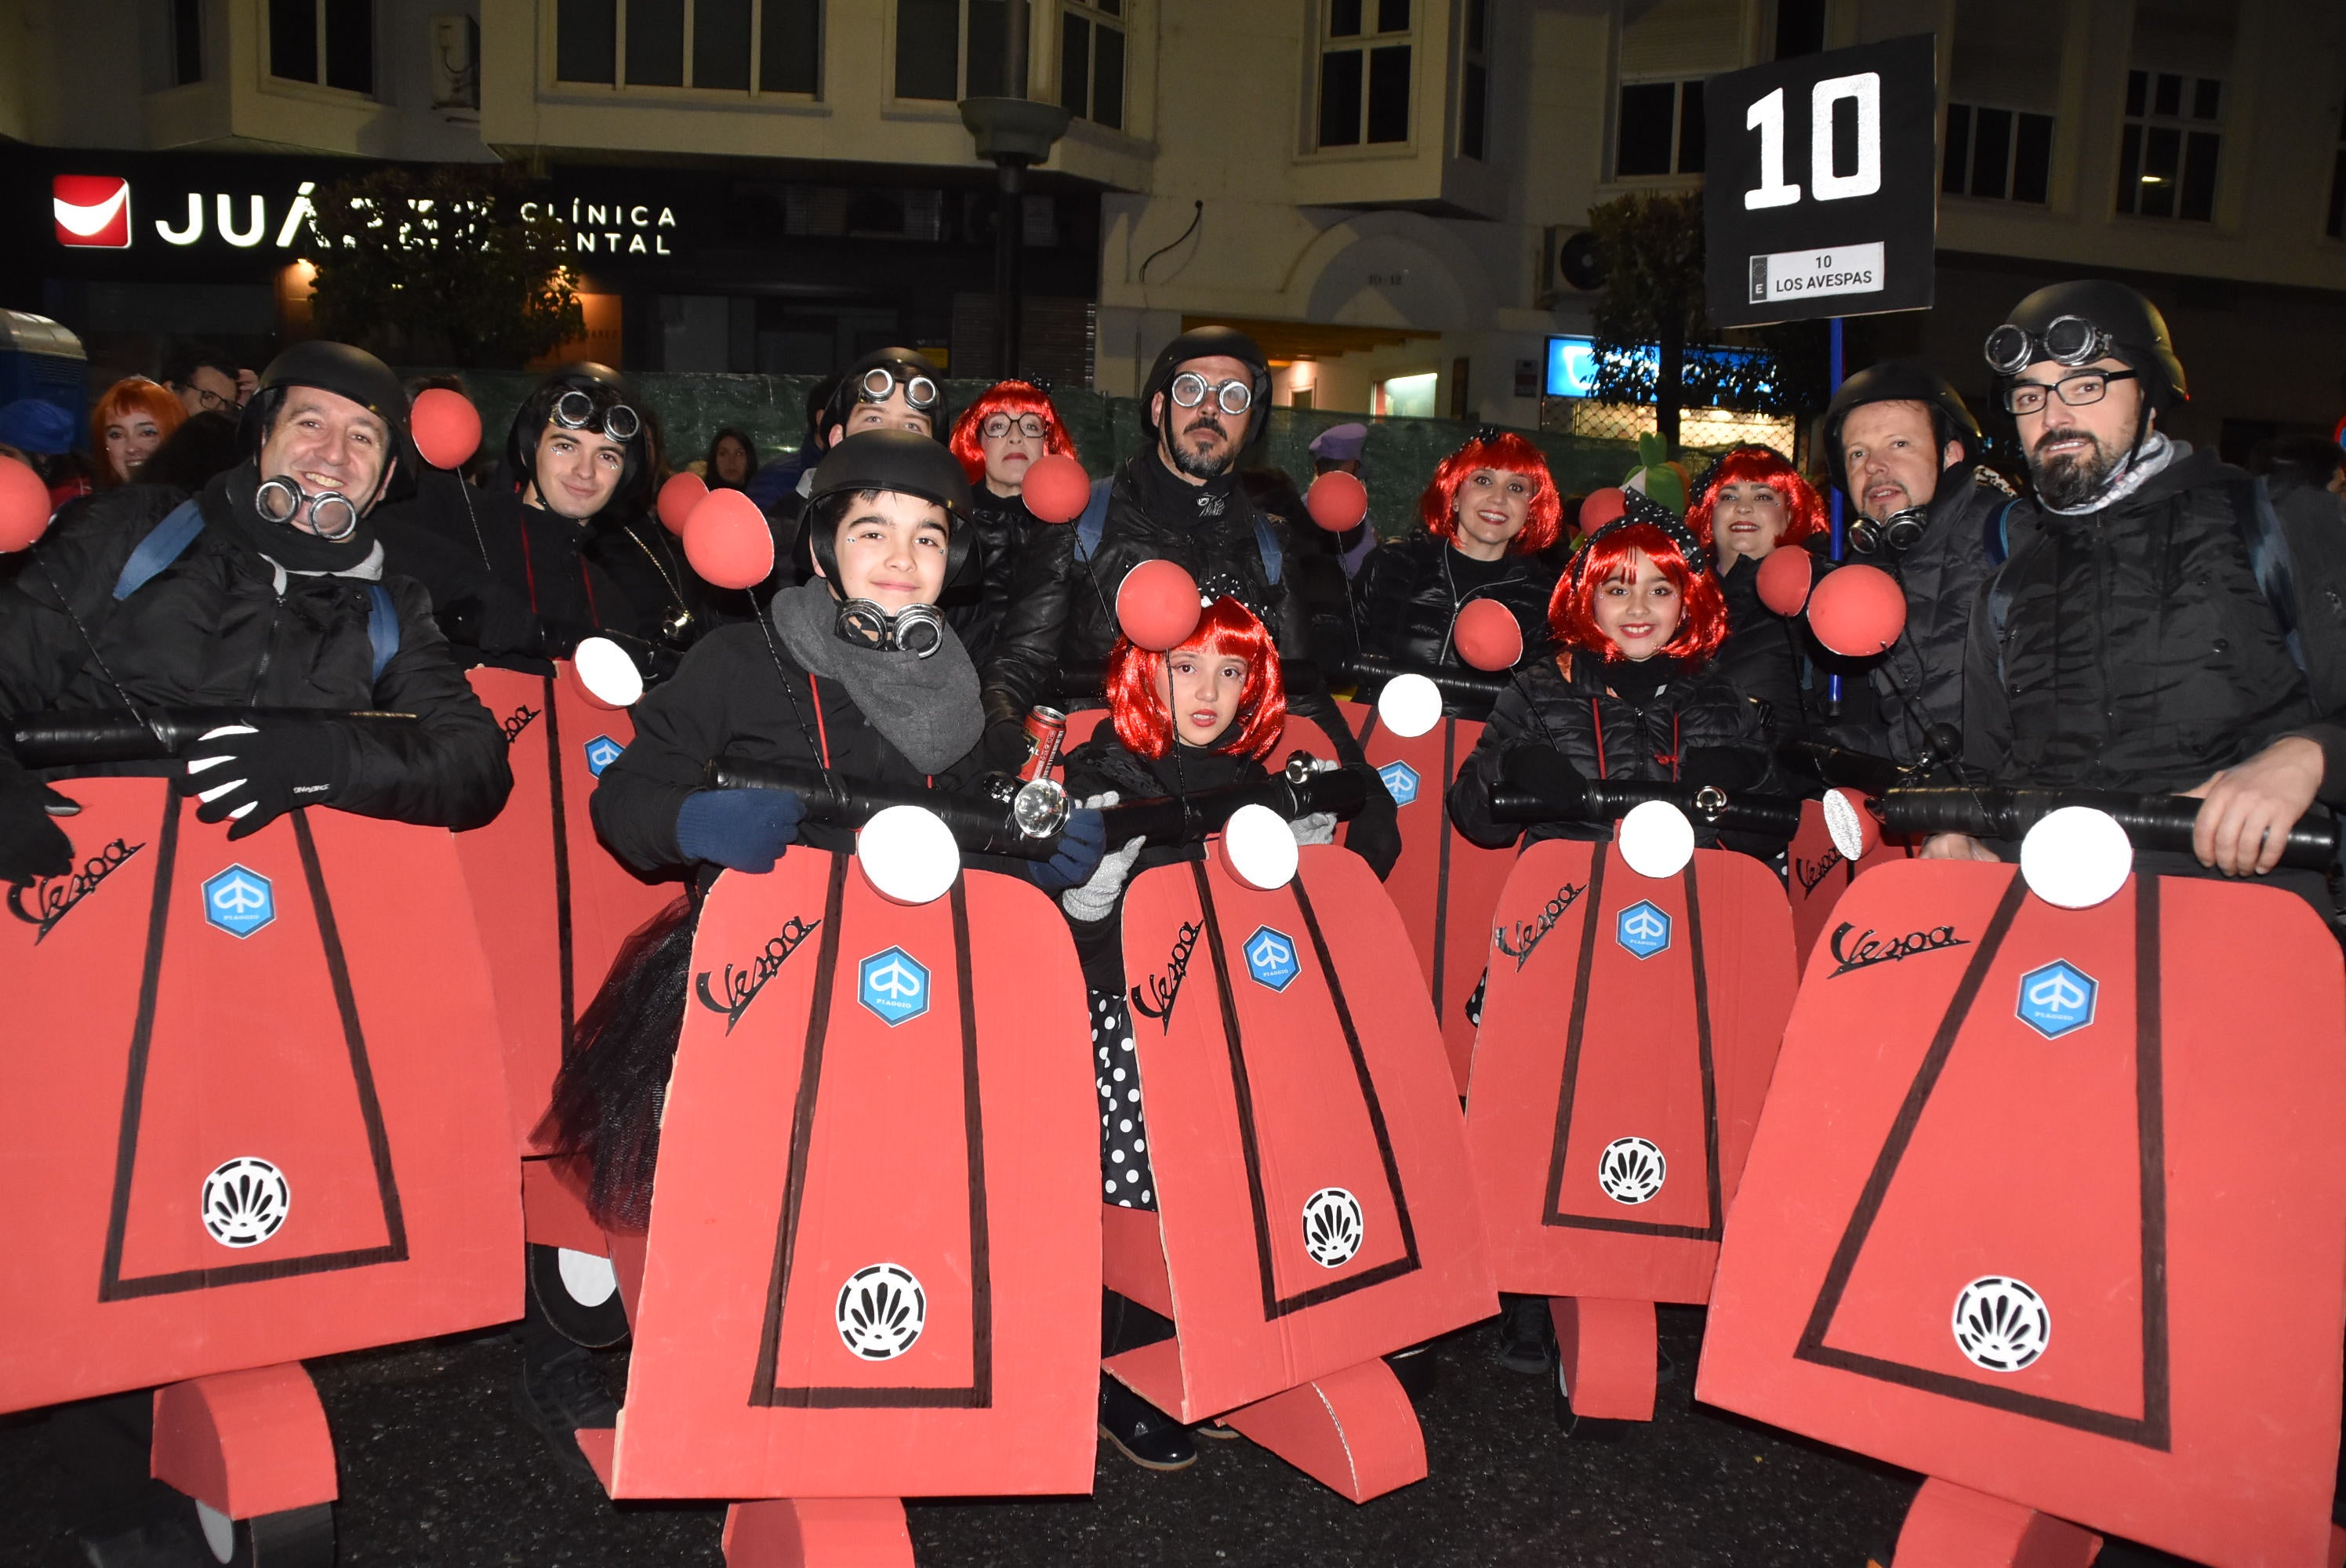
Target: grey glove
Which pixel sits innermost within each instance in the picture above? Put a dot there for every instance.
(1095, 898)
(1317, 828)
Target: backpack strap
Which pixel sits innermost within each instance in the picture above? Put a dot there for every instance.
(382, 626)
(165, 543)
(1995, 532)
(1266, 544)
(2269, 558)
(1094, 522)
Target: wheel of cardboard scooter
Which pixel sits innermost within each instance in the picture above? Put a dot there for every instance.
(579, 1295)
(294, 1537)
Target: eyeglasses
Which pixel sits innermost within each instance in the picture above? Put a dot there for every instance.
(209, 401)
(2077, 391)
(575, 410)
(2068, 340)
(1190, 389)
(879, 383)
(1029, 425)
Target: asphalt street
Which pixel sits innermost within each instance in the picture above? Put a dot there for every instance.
(436, 1469)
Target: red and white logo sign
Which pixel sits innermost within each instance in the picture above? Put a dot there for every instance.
(92, 210)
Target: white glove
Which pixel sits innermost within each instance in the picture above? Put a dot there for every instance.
(1095, 898)
(1319, 828)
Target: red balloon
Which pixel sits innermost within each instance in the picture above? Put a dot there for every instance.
(728, 542)
(24, 507)
(678, 497)
(1488, 637)
(1057, 489)
(1599, 507)
(1785, 577)
(1157, 606)
(1338, 501)
(1857, 611)
(447, 427)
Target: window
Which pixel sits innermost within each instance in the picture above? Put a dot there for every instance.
(2007, 154)
(2166, 160)
(1660, 129)
(931, 59)
(187, 42)
(1800, 28)
(1091, 61)
(1474, 81)
(1364, 73)
(329, 42)
(714, 50)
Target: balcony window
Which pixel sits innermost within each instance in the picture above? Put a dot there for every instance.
(1364, 64)
(187, 42)
(327, 42)
(2167, 158)
(2002, 154)
(1474, 81)
(951, 49)
(709, 45)
(1091, 61)
(1660, 129)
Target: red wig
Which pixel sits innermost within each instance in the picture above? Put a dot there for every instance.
(1137, 696)
(1015, 399)
(130, 395)
(1509, 453)
(1610, 553)
(1804, 509)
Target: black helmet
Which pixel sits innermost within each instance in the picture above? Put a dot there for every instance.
(337, 368)
(877, 376)
(1901, 380)
(2077, 323)
(900, 460)
(584, 395)
(1207, 344)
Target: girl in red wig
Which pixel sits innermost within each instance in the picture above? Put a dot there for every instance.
(1750, 501)
(1205, 715)
(130, 420)
(1491, 518)
(1631, 692)
(997, 438)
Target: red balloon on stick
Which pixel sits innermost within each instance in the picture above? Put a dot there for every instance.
(728, 542)
(1488, 637)
(678, 497)
(1337, 501)
(1857, 611)
(447, 427)
(1057, 489)
(1157, 606)
(1599, 507)
(24, 507)
(1785, 578)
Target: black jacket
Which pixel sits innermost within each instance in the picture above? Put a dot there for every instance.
(1408, 596)
(1004, 531)
(517, 578)
(1942, 575)
(212, 630)
(1762, 656)
(1563, 703)
(728, 699)
(2136, 650)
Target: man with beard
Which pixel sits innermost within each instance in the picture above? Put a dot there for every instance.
(1178, 500)
(2149, 631)
(1900, 445)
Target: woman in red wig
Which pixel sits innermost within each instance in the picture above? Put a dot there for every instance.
(1749, 502)
(131, 420)
(997, 438)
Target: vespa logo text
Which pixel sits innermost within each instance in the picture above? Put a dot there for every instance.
(1529, 934)
(741, 986)
(43, 903)
(519, 719)
(1164, 989)
(1870, 948)
(1811, 872)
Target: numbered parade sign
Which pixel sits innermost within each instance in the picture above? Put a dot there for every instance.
(2049, 1204)
(255, 1102)
(1822, 189)
(874, 1264)
(1312, 1192)
(554, 904)
(1444, 886)
(1629, 1027)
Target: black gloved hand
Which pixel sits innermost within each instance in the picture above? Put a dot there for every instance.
(1375, 834)
(1538, 768)
(253, 776)
(1004, 748)
(31, 844)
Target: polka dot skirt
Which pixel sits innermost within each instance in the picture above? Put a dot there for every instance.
(1124, 1179)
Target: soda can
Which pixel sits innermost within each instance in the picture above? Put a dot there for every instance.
(1046, 728)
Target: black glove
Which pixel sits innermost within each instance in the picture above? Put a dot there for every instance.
(253, 776)
(1004, 748)
(1730, 768)
(31, 845)
(1535, 768)
(1082, 843)
(1375, 834)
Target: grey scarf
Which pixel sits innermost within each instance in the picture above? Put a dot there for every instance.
(926, 708)
(2134, 470)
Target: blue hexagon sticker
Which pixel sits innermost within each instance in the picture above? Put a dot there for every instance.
(2057, 998)
(894, 985)
(240, 902)
(1643, 930)
(601, 752)
(1271, 958)
(1401, 782)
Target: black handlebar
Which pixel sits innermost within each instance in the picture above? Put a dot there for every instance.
(1603, 801)
(985, 823)
(1301, 789)
(2151, 821)
(106, 735)
(1840, 768)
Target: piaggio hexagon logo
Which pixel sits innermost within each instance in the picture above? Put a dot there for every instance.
(1643, 930)
(894, 985)
(1401, 782)
(1271, 958)
(2057, 998)
(601, 752)
(240, 902)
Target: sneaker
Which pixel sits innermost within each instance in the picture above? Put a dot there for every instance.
(1141, 1432)
(560, 1396)
(1526, 1335)
(1586, 1429)
(154, 1533)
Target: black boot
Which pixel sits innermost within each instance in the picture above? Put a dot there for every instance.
(560, 1391)
(1141, 1432)
(1415, 1369)
(1526, 1335)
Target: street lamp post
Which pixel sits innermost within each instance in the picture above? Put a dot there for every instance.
(1011, 132)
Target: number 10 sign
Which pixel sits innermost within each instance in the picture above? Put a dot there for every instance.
(1822, 195)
